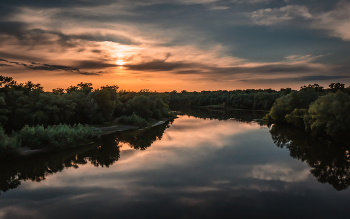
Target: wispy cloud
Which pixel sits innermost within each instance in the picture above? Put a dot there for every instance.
(207, 41)
(270, 16)
(336, 21)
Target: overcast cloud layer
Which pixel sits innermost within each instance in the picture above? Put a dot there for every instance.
(176, 44)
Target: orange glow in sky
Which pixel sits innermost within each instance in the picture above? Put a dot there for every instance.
(120, 62)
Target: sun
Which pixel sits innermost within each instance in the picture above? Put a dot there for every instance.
(120, 62)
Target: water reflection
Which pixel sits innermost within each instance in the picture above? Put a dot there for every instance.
(142, 139)
(237, 115)
(103, 153)
(194, 168)
(329, 158)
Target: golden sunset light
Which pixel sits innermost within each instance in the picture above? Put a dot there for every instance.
(120, 62)
(174, 109)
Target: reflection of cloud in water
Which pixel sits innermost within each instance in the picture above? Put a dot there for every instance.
(278, 172)
(209, 166)
(18, 212)
(193, 141)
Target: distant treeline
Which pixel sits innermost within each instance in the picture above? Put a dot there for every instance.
(239, 99)
(26, 104)
(316, 109)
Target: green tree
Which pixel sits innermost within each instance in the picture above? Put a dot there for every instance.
(330, 113)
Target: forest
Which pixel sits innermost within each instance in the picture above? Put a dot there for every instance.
(261, 99)
(34, 119)
(317, 110)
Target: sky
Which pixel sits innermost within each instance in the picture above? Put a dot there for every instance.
(167, 45)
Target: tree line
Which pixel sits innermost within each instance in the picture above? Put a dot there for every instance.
(28, 112)
(258, 99)
(27, 104)
(318, 110)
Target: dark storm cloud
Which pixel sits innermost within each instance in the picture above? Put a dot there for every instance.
(32, 37)
(108, 37)
(321, 78)
(20, 57)
(16, 29)
(197, 68)
(94, 64)
(159, 65)
(47, 67)
(266, 69)
(96, 51)
(306, 79)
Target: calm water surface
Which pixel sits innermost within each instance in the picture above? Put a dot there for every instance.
(192, 168)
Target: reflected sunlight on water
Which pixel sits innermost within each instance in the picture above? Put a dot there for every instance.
(191, 168)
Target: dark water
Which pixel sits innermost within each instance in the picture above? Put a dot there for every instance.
(210, 164)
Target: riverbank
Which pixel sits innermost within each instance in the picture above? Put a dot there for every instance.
(104, 129)
(115, 126)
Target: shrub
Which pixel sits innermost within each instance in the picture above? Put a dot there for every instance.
(133, 120)
(55, 136)
(330, 114)
(296, 99)
(9, 147)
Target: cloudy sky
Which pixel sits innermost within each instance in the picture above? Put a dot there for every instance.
(176, 44)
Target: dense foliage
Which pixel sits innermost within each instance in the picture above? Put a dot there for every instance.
(133, 120)
(8, 146)
(51, 137)
(39, 119)
(28, 104)
(318, 110)
(239, 99)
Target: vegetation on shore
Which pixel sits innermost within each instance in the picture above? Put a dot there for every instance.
(32, 118)
(104, 152)
(51, 138)
(50, 118)
(316, 109)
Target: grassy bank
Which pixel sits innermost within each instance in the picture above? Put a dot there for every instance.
(56, 137)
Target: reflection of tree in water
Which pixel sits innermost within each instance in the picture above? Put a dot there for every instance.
(142, 139)
(105, 152)
(238, 115)
(329, 158)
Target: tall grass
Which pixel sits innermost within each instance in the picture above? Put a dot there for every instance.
(52, 137)
(133, 120)
(55, 136)
(9, 147)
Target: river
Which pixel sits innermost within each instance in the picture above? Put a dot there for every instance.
(201, 165)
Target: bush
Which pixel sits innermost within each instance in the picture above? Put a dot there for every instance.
(56, 136)
(297, 117)
(330, 114)
(286, 104)
(133, 120)
(9, 147)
